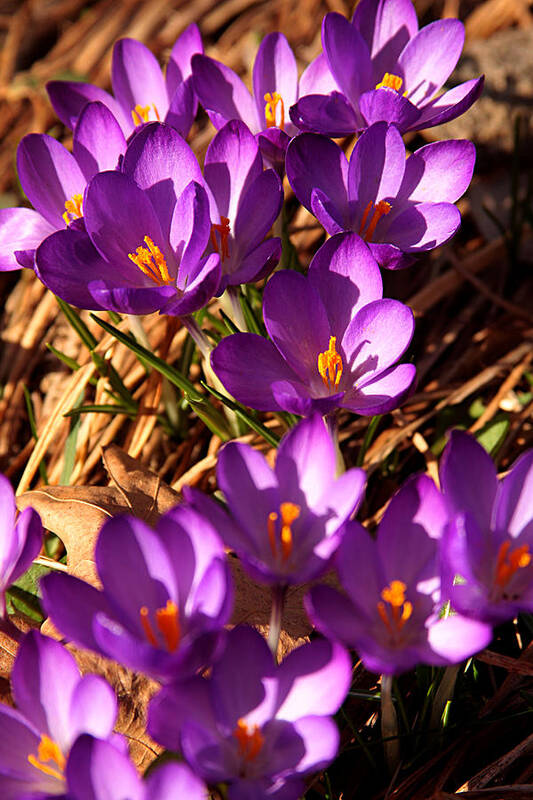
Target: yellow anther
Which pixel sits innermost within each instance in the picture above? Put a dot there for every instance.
(330, 365)
(393, 609)
(151, 261)
(380, 210)
(167, 622)
(140, 114)
(250, 743)
(289, 513)
(509, 561)
(272, 101)
(224, 232)
(390, 81)
(73, 208)
(49, 751)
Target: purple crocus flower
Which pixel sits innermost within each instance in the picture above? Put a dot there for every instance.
(142, 94)
(391, 610)
(20, 541)
(487, 552)
(275, 89)
(54, 181)
(334, 340)
(245, 203)
(145, 232)
(54, 706)
(400, 207)
(166, 594)
(387, 70)
(97, 770)
(255, 725)
(284, 523)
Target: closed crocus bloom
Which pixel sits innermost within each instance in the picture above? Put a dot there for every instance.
(54, 705)
(98, 770)
(488, 546)
(20, 540)
(166, 595)
(400, 207)
(390, 612)
(141, 92)
(54, 182)
(387, 70)
(334, 340)
(284, 523)
(254, 725)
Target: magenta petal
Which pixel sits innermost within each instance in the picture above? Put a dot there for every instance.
(429, 58)
(450, 104)
(439, 172)
(386, 26)
(274, 70)
(20, 229)
(317, 78)
(376, 168)
(331, 218)
(93, 708)
(295, 397)
(424, 226)
(68, 99)
(171, 780)
(330, 114)
(377, 336)
(514, 505)
(321, 738)
(179, 68)
(315, 162)
(248, 365)
(25, 543)
(384, 393)
(137, 79)
(96, 770)
(333, 614)
(222, 93)
(72, 605)
(348, 56)
(258, 209)
(456, 638)
(386, 105)
(183, 108)
(98, 140)
(296, 471)
(189, 232)
(389, 256)
(257, 264)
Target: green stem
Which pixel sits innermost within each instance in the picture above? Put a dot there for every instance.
(198, 336)
(236, 308)
(443, 694)
(276, 613)
(389, 725)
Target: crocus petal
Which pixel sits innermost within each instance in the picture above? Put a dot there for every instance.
(332, 614)
(340, 501)
(96, 770)
(386, 27)
(376, 337)
(389, 256)
(439, 172)
(295, 397)
(25, 538)
(386, 105)
(49, 176)
(347, 277)
(273, 143)
(137, 78)
(72, 605)
(174, 780)
(384, 393)
(429, 58)
(128, 300)
(321, 738)
(376, 168)
(98, 140)
(315, 162)
(183, 108)
(175, 706)
(449, 105)
(222, 93)
(463, 553)
(93, 708)
(330, 217)
(330, 114)
(257, 264)
(68, 98)
(18, 777)
(274, 70)
(295, 471)
(348, 56)
(317, 78)
(468, 478)
(203, 286)
(260, 204)
(179, 66)
(248, 365)
(456, 638)
(20, 229)
(514, 505)
(189, 231)
(424, 226)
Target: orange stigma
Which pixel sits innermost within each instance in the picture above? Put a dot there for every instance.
(382, 209)
(223, 232)
(509, 561)
(168, 624)
(49, 751)
(330, 365)
(390, 81)
(272, 101)
(250, 744)
(140, 114)
(393, 609)
(151, 261)
(289, 513)
(73, 208)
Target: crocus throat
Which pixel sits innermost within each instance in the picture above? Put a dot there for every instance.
(391, 81)
(224, 232)
(330, 366)
(289, 513)
(510, 559)
(393, 609)
(151, 261)
(272, 101)
(168, 624)
(49, 751)
(73, 208)
(141, 114)
(250, 743)
(380, 210)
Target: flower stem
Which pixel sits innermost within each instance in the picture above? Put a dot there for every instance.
(236, 308)
(276, 613)
(197, 335)
(443, 694)
(389, 724)
(332, 424)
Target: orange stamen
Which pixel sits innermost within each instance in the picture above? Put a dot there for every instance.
(509, 561)
(49, 751)
(272, 101)
(140, 114)
(393, 609)
(271, 527)
(224, 232)
(390, 81)
(289, 513)
(147, 627)
(250, 744)
(330, 365)
(167, 620)
(381, 209)
(73, 208)
(151, 261)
